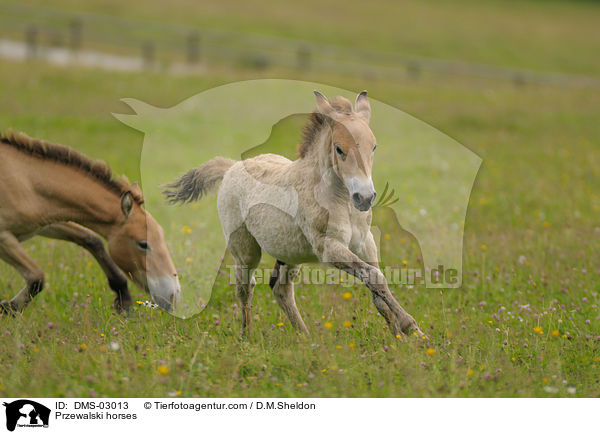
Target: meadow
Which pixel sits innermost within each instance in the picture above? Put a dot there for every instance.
(525, 321)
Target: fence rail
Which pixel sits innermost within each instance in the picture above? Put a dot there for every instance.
(164, 44)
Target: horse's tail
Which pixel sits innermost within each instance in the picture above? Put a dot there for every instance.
(198, 182)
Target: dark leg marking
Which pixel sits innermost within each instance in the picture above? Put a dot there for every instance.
(275, 273)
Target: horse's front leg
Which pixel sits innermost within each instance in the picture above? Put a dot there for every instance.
(87, 239)
(333, 252)
(13, 253)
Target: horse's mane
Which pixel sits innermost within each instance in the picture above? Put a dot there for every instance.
(98, 170)
(316, 122)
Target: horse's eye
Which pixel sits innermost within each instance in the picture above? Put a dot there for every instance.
(374, 147)
(143, 245)
(339, 151)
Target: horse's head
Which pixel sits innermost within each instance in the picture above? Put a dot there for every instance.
(351, 145)
(138, 247)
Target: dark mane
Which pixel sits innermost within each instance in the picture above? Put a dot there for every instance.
(316, 122)
(98, 170)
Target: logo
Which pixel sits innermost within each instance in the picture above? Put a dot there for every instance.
(25, 413)
(424, 176)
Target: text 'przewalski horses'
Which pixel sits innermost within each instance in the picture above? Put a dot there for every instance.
(314, 209)
(56, 192)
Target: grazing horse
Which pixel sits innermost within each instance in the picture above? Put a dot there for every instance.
(56, 192)
(314, 209)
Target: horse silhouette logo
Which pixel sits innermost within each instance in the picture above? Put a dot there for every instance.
(26, 413)
(429, 173)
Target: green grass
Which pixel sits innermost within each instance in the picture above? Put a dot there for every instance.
(536, 196)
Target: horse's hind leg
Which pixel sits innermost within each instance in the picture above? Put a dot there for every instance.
(246, 252)
(13, 253)
(87, 239)
(282, 284)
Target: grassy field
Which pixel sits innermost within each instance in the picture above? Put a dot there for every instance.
(526, 320)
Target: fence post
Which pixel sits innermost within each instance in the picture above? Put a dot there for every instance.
(31, 41)
(75, 33)
(193, 47)
(148, 54)
(519, 79)
(303, 57)
(414, 70)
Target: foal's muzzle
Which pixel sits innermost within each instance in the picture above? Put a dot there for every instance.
(363, 202)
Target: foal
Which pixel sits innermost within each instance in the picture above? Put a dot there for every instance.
(56, 192)
(314, 209)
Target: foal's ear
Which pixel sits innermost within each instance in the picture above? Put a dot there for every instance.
(136, 191)
(323, 105)
(126, 204)
(362, 106)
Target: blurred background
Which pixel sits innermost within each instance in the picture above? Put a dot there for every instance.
(516, 82)
(522, 41)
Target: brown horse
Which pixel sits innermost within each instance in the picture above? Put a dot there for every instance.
(56, 192)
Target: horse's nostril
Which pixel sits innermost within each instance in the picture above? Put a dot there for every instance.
(356, 197)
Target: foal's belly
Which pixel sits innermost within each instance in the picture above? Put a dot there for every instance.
(278, 234)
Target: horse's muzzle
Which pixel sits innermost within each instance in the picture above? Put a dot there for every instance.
(165, 291)
(363, 202)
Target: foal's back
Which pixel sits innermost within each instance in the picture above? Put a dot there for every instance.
(261, 195)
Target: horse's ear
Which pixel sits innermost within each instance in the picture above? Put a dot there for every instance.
(362, 106)
(126, 204)
(323, 105)
(137, 191)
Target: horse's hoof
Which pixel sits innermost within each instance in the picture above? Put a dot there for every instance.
(418, 333)
(7, 308)
(410, 327)
(123, 305)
